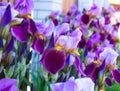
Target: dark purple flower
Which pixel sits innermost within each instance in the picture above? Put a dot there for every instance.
(24, 6)
(85, 18)
(54, 60)
(7, 84)
(20, 31)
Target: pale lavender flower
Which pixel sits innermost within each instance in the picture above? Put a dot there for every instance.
(80, 84)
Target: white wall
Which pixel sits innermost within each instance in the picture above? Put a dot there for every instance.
(43, 8)
(88, 3)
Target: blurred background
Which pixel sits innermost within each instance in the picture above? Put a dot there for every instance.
(43, 8)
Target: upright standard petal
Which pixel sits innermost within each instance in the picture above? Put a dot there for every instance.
(54, 60)
(67, 41)
(24, 6)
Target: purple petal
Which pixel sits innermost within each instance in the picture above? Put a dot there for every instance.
(20, 31)
(108, 82)
(62, 29)
(90, 68)
(54, 60)
(32, 30)
(51, 42)
(95, 73)
(49, 29)
(38, 45)
(116, 75)
(24, 6)
(6, 17)
(86, 51)
(7, 84)
(78, 63)
(57, 87)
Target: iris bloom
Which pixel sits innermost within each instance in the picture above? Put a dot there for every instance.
(7, 84)
(54, 59)
(80, 84)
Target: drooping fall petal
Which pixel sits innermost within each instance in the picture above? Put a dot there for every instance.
(20, 31)
(54, 60)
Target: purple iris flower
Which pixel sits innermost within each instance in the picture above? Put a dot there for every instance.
(80, 84)
(7, 84)
(24, 6)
